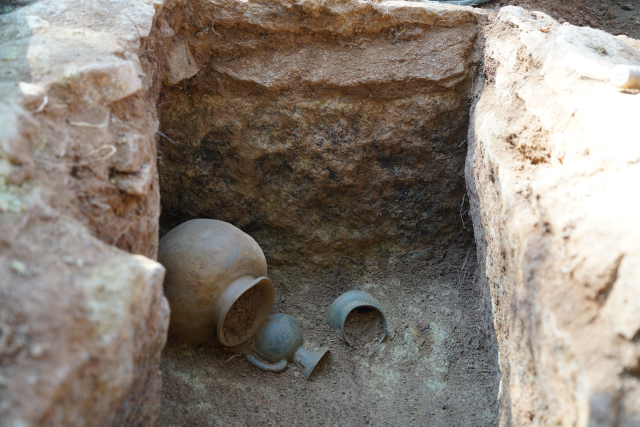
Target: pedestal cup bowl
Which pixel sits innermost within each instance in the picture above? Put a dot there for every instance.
(280, 341)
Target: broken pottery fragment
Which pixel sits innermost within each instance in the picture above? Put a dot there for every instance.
(355, 303)
(279, 341)
(215, 282)
(626, 76)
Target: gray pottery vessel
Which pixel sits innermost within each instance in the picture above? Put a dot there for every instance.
(349, 301)
(279, 341)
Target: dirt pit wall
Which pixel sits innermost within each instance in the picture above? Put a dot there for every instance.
(343, 134)
(553, 152)
(82, 319)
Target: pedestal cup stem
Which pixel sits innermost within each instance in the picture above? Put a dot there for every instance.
(309, 359)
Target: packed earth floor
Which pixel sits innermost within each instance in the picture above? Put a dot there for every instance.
(436, 367)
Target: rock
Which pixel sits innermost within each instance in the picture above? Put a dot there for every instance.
(552, 154)
(180, 63)
(82, 323)
(101, 325)
(136, 184)
(628, 7)
(99, 84)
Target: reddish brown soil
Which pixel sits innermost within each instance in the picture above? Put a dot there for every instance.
(363, 326)
(615, 17)
(437, 365)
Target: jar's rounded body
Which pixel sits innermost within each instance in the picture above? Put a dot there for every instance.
(215, 282)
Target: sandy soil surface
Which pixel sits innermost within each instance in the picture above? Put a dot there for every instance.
(436, 367)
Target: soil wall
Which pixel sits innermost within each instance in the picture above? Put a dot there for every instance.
(82, 322)
(324, 130)
(553, 152)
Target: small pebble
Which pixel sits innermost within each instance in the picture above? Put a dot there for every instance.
(628, 7)
(19, 268)
(36, 351)
(69, 260)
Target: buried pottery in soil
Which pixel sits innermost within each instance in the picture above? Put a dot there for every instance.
(279, 341)
(353, 303)
(334, 133)
(215, 282)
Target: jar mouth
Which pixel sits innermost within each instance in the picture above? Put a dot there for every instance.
(245, 306)
(364, 308)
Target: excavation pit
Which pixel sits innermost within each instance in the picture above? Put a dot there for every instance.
(340, 149)
(334, 132)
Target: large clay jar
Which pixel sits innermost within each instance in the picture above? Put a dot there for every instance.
(215, 282)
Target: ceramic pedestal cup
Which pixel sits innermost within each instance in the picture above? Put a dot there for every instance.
(279, 341)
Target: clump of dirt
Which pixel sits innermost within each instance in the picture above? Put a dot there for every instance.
(7, 6)
(243, 313)
(364, 326)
